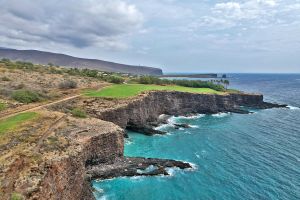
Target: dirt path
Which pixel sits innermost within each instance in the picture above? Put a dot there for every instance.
(50, 129)
(40, 106)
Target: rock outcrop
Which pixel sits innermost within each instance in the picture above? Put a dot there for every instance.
(134, 167)
(141, 112)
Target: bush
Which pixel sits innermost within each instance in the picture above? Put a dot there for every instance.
(2, 106)
(5, 78)
(115, 79)
(26, 96)
(16, 196)
(77, 112)
(68, 84)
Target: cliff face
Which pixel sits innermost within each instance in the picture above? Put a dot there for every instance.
(63, 158)
(148, 107)
(96, 143)
(66, 177)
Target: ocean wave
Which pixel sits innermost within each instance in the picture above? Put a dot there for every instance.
(164, 126)
(128, 142)
(293, 107)
(194, 167)
(103, 197)
(194, 126)
(172, 171)
(190, 117)
(136, 177)
(147, 170)
(220, 115)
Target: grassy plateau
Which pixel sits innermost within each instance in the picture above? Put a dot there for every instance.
(14, 122)
(131, 90)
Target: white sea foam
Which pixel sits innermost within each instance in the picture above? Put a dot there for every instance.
(293, 107)
(194, 126)
(219, 115)
(128, 142)
(190, 117)
(194, 167)
(147, 170)
(136, 177)
(103, 198)
(99, 190)
(172, 171)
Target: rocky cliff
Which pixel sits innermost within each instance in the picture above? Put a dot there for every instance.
(147, 107)
(54, 166)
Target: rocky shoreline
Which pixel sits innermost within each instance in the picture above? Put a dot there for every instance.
(93, 148)
(128, 166)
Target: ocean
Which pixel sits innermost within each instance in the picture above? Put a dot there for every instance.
(235, 157)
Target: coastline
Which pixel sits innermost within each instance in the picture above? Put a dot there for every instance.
(96, 144)
(142, 113)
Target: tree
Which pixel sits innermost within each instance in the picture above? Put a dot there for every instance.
(226, 83)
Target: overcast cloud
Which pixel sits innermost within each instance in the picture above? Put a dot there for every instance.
(78, 23)
(190, 35)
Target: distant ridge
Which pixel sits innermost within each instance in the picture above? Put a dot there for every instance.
(41, 57)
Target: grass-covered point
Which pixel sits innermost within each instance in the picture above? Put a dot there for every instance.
(11, 123)
(221, 85)
(130, 90)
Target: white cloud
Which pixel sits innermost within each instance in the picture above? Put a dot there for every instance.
(78, 23)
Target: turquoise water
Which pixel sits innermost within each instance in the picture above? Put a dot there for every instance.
(255, 156)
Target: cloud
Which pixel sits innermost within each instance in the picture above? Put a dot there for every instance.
(248, 13)
(77, 23)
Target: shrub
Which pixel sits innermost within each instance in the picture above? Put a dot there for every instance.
(2, 106)
(68, 84)
(16, 196)
(5, 78)
(115, 79)
(77, 112)
(26, 96)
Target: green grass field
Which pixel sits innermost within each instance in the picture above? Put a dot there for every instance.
(130, 90)
(14, 122)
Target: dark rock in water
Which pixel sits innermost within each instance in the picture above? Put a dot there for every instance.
(133, 167)
(240, 111)
(146, 130)
(266, 105)
(126, 135)
(182, 126)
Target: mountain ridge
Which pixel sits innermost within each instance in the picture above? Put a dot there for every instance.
(43, 57)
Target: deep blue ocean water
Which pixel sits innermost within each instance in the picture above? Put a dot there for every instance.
(255, 156)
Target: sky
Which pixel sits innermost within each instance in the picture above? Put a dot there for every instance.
(246, 36)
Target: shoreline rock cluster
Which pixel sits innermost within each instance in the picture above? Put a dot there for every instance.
(129, 166)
